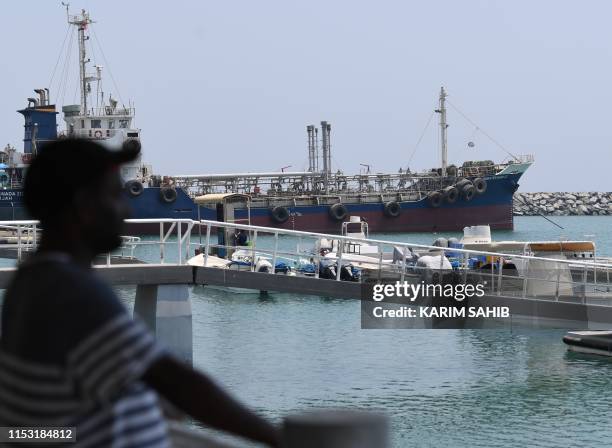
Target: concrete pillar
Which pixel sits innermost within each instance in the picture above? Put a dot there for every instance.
(166, 309)
(336, 429)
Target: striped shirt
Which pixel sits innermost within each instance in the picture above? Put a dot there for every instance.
(71, 355)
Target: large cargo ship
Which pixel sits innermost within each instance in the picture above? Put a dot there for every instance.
(442, 199)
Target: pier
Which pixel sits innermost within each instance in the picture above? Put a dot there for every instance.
(163, 270)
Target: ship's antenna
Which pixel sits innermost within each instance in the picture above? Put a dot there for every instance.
(81, 21)
(443, 128)
(67, 5)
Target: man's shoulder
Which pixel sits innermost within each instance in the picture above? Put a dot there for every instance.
(55, 304)
(57, 279)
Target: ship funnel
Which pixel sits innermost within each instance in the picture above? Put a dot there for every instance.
(42, 95)
(40, 122)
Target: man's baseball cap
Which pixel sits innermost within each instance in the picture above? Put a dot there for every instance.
(65, 166)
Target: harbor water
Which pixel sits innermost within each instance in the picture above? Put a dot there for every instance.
(284, 353)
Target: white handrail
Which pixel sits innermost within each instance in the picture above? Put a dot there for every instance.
(372, 241)
(185, 234)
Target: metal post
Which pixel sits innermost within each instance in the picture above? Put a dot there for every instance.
(340, 254)
(188, 236)
(19, 242)
(274, 253)
(443, 129)
(207, 247)
(499, 275)
(318, 257)
(403, 265)
(253, 242)
(525, 276)
(161, 242)
(557, 287)
(584, 283)
(380, 259)
(179, 238)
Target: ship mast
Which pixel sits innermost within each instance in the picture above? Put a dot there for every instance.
(443, 128)
(81, 21)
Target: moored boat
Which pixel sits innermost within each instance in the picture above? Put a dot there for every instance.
(592, 342)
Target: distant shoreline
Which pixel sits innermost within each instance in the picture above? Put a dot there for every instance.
(563, 203)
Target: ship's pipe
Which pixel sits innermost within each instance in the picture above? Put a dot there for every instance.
(316, 148)
(329, 164)
(233, 175)
(325, 146)
(309, 131)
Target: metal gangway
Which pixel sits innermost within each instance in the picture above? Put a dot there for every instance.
(179, 240)
(162, 267)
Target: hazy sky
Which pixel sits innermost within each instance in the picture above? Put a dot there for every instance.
(230, 86)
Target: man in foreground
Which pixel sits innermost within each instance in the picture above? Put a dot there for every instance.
(70, 354)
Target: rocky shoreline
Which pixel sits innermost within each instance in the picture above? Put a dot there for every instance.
(563, 204)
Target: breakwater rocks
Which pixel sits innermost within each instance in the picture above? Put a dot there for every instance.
(558, 204)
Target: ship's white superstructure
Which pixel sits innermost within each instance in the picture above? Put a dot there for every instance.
(108, 123)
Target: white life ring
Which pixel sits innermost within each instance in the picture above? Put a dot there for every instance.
(98, 134)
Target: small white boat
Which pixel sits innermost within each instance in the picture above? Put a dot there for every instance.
(241, 260)
(552, 278)
(360, 254)
(592, 342)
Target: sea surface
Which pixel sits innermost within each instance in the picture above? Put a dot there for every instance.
(455, 388)
(286, 353)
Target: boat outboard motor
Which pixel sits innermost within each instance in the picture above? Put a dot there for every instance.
(349, 274)
(264, 265)
(453, 242)
(440, 242)
(433, 268)
(398, 256)
(327, 270)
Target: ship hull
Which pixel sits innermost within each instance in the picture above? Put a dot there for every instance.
(494, 207)
(411, 219)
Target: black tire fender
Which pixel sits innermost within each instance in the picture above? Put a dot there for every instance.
(451, 194)
(434, 199)
(338, 212)
(134, 188)
(480, 185)
(280, 214)
(392, 209)
(167, 194)
(468, 191)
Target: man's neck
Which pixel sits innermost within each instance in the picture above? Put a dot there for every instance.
(79, 254)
